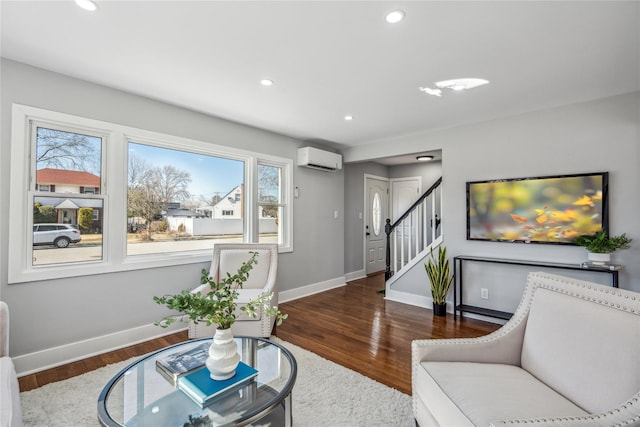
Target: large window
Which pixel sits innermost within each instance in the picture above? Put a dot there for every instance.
(90, 197)
(168, 193)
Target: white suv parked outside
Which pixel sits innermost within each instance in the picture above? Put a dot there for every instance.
(59, 235)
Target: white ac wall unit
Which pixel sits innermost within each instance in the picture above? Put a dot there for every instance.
(315, 158)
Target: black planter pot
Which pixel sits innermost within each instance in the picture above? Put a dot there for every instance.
(439, 309)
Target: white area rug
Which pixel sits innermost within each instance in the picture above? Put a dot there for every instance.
(325, 394)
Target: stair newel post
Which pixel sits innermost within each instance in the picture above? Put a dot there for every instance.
(387, 231)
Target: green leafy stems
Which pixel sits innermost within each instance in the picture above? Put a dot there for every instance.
(600, 243)
(439, 273)
(218, 304)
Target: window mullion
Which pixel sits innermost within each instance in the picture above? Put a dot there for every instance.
(251, 199)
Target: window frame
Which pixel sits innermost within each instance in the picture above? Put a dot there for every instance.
(114, 212)
(285, 200)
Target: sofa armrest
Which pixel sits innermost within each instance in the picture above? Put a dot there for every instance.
(627, 414)
(502, 346)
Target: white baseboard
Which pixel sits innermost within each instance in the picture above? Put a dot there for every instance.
(355, 275)
(50, 358)
(312, 289)
(427, 302)
(411, 299)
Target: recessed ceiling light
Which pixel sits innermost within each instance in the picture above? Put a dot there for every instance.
(266, 82)
(424, 158)
(348, 118)
(89, 5)
(461, 84)
(394, 17)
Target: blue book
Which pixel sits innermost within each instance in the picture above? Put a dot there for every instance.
(202, 389)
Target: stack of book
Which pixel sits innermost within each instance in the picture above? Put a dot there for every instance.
(202, 389)
(186, 370)
(183, 362)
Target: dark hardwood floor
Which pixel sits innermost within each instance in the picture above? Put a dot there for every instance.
(353, 326)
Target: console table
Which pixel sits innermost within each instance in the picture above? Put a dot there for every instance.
(458, 282)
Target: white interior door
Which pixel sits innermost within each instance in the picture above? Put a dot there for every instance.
(376, 211)
(404, 192)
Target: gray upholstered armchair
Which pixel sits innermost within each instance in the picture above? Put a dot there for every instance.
(227, 258)
(569, 356)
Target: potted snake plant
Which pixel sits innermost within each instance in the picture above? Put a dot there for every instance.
(438, 270)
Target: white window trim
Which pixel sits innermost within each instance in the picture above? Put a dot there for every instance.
(287, 194)
(115, 206)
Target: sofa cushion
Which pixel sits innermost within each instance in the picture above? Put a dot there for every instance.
(586, 350)
(479, 393)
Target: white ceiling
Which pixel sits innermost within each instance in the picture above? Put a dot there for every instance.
(331, 58)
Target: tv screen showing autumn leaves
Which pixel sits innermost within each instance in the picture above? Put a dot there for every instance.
(550, 209)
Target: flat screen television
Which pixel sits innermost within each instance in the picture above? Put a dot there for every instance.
(548, 209)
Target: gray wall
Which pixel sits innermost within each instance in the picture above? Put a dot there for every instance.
(354, 205)
(429, 171)
(57, 312)
(601, 135)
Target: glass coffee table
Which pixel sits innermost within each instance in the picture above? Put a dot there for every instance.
(139, 396)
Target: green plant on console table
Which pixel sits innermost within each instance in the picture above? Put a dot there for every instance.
(439, 274)
(218, 304)
(600, 243)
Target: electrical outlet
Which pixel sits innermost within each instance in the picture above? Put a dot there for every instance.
(484, 293)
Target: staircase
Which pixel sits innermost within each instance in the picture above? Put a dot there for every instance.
(412, 236)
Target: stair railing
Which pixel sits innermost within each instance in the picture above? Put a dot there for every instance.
(414, 231)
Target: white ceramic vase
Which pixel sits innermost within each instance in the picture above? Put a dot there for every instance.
(599, 259)
(223, 355)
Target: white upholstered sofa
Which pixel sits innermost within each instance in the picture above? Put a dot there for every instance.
(227, 258)
(569, 356)
(10, 411)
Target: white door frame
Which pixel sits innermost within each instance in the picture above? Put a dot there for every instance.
(365, 211)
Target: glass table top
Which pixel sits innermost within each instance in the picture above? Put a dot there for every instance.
(140, 396)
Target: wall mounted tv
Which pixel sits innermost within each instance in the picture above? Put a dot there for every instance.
(548, 209)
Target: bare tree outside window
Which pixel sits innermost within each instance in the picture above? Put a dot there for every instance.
(151, 189)
(67, 150)
(173, 183)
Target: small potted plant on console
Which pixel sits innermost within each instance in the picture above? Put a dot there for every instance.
(601, 246)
